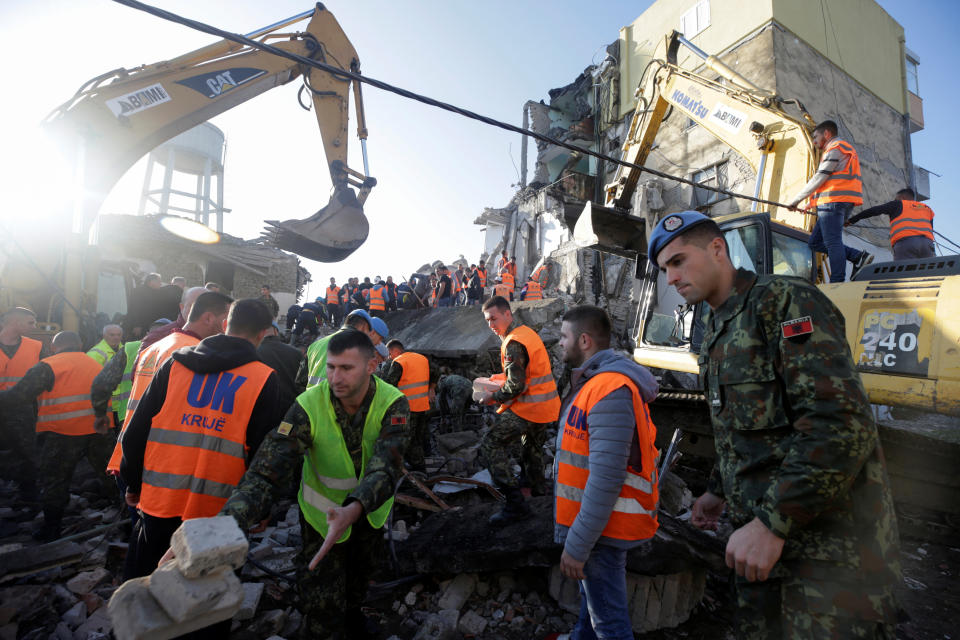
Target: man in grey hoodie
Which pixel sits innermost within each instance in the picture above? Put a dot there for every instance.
(605, 471)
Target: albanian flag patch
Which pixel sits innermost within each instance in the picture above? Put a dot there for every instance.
(798, 327)
(398, 420)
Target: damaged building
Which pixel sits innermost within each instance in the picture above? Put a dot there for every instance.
(842, 62)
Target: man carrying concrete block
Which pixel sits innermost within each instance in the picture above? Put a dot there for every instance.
(194, 431)
(343, 441)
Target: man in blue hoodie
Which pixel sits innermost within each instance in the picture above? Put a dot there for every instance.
(605, 471)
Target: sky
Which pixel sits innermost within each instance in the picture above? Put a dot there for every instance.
(436, 171)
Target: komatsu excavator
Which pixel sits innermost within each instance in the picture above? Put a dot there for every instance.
(901, 317)
(117, 117)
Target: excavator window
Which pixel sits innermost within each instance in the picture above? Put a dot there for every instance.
(791, 256)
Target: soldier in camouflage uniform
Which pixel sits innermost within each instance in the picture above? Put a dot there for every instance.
(331, 595)
(513, 438)
(799, 464)
(454, 395)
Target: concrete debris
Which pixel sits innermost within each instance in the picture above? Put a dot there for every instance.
(184, 598)
(76, 615)
(99, 622)
(472, 624)
(458, 591)
(439, 626)
(252, 591)
(205, 545)
(86, 581)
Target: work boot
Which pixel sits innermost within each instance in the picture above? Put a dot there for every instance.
(864, 259)
(51, 525)
(515, 508)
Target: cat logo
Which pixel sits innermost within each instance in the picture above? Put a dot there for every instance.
(217, 83)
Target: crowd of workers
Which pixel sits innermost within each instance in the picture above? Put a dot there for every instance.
(212, 413)
(462, 286)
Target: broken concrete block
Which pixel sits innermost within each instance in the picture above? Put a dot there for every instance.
(86, 581)
(184, 598)
(263, 549)
(439, 626)
(206, 545)
(472, 624)
(62, 632)
(76, 615)
(252, 592)
(99, 622)
(269, 624)
(564, 590)
(138, 616)
(458, 591)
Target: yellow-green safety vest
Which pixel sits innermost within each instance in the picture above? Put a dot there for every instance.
(328, 474)
(102, 352)
(122, 393)
(317, 360)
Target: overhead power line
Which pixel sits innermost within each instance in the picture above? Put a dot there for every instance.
(379, 84)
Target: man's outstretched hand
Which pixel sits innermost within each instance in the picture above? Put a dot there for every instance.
(339, 520)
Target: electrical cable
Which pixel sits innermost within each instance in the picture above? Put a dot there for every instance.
(379, 84)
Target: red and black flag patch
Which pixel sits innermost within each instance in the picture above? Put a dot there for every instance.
(796, 327)
(395, 420)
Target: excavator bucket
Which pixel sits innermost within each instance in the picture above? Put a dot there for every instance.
(609, 230)
(329, 235)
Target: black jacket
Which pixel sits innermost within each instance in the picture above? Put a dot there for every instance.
(284, 360)
(212, 355)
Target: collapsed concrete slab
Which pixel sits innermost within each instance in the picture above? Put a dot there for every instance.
(455, 332)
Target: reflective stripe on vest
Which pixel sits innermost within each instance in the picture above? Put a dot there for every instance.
(102, 352)
(333, 295)
(12, 369)
(845, 186)
(328, 473)
(196, 450)
(121, 395)
(147, 365)
(68, 409)
(634, 515)
(502, 290)
(317, 360)
(415, 380)
(916, 219)
(507, 279)
(534, 291)
(539, 401)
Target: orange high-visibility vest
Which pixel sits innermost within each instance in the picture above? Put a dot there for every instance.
(68, 409)
(534, 291)
(483, 276)
(501, 262)
(333, 295)
(634, 515)
(916, 219)
(512, 268)
(539, 402)
(197, 449)
(12, 369)
(502, 290)
(415, 380)
(507, 278)
(539, 273)
(147, 364)
(844, 186)
(375, 299)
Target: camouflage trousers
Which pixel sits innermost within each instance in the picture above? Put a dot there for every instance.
(419, 439)
(331, 595)
(795, 608)
(513, 440)
(58, 461)
(19, 428)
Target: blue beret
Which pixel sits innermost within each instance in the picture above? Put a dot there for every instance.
(669, 228)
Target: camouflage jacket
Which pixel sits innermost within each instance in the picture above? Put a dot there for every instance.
(515, 366)
(36, 380)
(276, 468)
(797, 446)
(106, 381)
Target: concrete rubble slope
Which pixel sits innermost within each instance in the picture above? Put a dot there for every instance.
(454, 332)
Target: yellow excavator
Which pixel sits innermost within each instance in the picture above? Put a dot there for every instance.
(117, 117)
(901, 317)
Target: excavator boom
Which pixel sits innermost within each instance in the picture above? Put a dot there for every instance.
(119, 116)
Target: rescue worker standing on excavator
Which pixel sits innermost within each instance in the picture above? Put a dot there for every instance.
(799, 465)
(605, 471)
(61, 384)
(342, 442)
(833, 191)
(18, 353)
(528, 404)
(911, 225)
